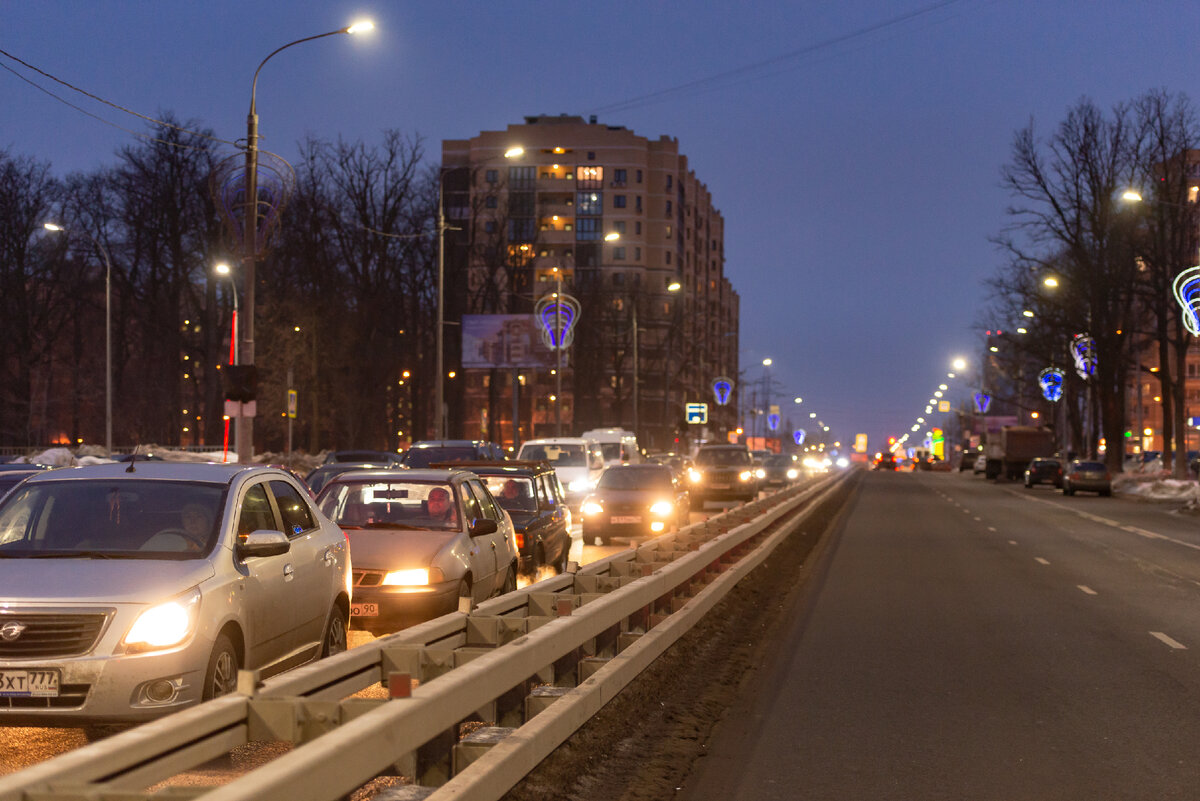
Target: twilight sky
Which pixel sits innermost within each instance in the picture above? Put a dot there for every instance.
(854, 148)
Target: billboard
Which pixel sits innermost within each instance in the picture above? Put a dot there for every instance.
(504, 341)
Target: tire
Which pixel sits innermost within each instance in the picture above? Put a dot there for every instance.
(221, 676)
(464, 591)
(560, 566)
(1028, 485)
(1067, 491)
(1106, 494)
(334, 641)
(510, 581)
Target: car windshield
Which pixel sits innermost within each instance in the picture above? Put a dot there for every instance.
(722, 456)
(513, 493)
(611, 451)
(111, 518)
(423, 457)
(1090, 467)
(557, 455)
(635, 478)
(780, 461)
(391, 504)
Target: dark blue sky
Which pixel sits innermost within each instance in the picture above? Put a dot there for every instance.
(859, 182)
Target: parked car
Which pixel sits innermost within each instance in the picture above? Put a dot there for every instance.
(362, 457)
(1044, 471)
(980, 465)
(635, 500)
(1086, 476)
(319, 477)
(723, 472)
(781, 469)
(131, 591)
(13, 474)
(421, 540)
(533, 497)
(577, 461)
(423, 454)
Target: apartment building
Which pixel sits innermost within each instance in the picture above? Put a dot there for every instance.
(623, 225)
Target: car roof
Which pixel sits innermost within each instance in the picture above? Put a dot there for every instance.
(449, 443)
(725, 446)
(496, 467)
(154, 470)
(403, 474)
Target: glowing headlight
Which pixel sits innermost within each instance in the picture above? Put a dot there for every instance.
(165, 624)
(694, 475)
(745, 475)
(843, 462)
(579, 485)
(416, 577)
(760, 473)
(792, 472)
(662, 508)
(591, 508)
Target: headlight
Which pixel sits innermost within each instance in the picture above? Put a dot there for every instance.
(745, 475)
(662, 508)
(694, 475)
(792, 472)
(416, 577)
(165, 624)
(591, 508)
(760, 473)
(579, 485)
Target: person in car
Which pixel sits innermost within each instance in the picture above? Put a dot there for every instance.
(441, 508)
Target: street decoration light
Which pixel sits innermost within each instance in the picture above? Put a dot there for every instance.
(1083, 350)
(722, 389)
(108, 382)
(252, 211)
(1187, 294)
(982, 402)
(1051, 382)
(798, 436)
(558, 314)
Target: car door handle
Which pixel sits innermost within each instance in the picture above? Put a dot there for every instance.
(289, 573)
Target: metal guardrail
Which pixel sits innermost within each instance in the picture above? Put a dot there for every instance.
(525, 670)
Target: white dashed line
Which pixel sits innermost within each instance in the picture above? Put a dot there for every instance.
(1040, 560)
(1085, 589)
(1176, 644)
(979, 520)
(1012, 542)
(991, 528)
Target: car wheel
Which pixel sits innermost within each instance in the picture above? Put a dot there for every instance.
(221, 676)
(1106, 493)
(510, 580)
(464, 591)
(1028, 485)
(1068, 491)
(560, 566)
(335, 633)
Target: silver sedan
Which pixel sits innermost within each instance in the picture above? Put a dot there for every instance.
(133, 590)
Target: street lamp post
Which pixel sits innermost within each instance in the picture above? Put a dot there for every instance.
(108, 441)
(245, 426)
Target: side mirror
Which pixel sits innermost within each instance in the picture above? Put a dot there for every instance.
(482, 527)
(263, 542)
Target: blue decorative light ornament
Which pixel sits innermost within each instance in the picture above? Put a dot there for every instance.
(1187, 295)
(773, 422)
(722, 389)
(557, 315)
(1083, 349)
(982, 402)
(1051, 382)
(798, 435)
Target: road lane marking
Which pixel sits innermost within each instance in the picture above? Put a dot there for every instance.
(1176, 644)
(991, 528)
(1085, 589)
(1012, 542)
(1141, 532)
(1040, 560)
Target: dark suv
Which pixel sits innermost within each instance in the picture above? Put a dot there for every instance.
(533, 497)
(1044, 471)
(423, 454)
(724, 472)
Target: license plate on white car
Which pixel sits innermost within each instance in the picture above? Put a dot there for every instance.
(364, 610)
(31, 682)
(619, 519)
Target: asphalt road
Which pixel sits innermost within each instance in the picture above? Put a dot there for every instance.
(964, 639)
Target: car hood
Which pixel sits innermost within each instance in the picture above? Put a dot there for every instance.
(100, 580)
(391, 548)
(632, 496)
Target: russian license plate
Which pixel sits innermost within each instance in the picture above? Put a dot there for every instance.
(364, 610)
(720, 486)
(31, 682)
(619, 519)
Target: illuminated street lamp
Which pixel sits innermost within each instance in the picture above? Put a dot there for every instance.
(108, 443)
(245, 429)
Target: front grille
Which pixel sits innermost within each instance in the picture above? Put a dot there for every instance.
(47, 635)
(368, 578)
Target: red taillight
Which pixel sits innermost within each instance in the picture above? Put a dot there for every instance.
(520, 540)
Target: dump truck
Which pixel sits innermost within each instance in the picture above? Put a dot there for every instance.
(1010, 453)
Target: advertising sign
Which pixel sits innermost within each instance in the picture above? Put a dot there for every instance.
(504, 341)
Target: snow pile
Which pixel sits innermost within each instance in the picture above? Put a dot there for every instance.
(1157, 487)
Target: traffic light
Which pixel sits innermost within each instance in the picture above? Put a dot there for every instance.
(241, 382)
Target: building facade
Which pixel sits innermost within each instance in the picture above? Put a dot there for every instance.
(620, 223)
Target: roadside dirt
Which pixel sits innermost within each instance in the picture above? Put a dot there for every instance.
(641, 746)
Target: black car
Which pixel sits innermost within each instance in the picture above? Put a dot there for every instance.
(533, 497)
(1044, 471)
(13, 474)
(363, 457)
(885, 461)
(724, 472)
(781, 469)
(318, 478)
(423, 454)
(635, 500)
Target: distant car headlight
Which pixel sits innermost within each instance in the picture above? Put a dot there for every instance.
(662, 508)
(591, 508)
(694, 475)
(745, 475)
(792, 472)
(165, 624)
(579, 485)
(843, 462)
(760, 473)
(414, 577)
